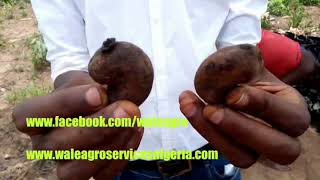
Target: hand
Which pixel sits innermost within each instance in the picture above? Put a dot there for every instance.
(262, 119)
(80, 96)
(289, 61)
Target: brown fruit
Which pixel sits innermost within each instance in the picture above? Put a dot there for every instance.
(226, 69)
(125, 69)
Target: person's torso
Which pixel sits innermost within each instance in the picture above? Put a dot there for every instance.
(177, 36)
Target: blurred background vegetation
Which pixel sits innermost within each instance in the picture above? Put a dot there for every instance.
(17, 10)
(294, 9)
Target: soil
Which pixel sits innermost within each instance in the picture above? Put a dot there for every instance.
(16, 73)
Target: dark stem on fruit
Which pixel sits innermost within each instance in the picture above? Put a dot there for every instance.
(108, 45)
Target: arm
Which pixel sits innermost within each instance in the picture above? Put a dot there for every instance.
(76, 95)
(306, 69)
(268, 100)
(63, 29)
(242, 25)
(285, 58)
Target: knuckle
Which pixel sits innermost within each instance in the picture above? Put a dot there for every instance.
(257, 101)
(266, 104)
(130, 108)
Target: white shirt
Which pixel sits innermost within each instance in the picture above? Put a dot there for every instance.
(177, 35)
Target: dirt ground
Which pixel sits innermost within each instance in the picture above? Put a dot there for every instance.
(16, 73)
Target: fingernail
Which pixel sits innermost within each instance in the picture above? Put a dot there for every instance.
(189, 110)
(238, 97)
(184, 95)
(188, 107)
(120, 113)
(93, 97)
(214, 114)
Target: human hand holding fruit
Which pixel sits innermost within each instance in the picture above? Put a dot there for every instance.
(250, 113)
(77, 94)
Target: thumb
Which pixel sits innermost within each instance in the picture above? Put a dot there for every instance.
(70, 102)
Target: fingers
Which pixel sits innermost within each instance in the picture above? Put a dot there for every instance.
(80, 138)
(283, 113)
(103, 168)
(75, 101)
(71, 79)
(258, 136)
(111, 170)
(86, 169)
(115, 167)
(192, 108)
(77, 170)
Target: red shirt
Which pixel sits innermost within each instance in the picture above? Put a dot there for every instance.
(281, 54)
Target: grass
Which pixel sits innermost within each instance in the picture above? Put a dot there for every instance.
(6, 1)
(2, 42)
(24, 14)
(265, 23)
(38, 52)
(7, 12)
(278, 8)
(32, 90)
(292, 8)
(7, 8)
(13, 2)
(296, 12)
(310, 2)
(284, 7)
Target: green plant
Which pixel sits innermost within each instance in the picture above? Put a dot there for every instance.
(278, 7)
(265, 23)
(32, 90)
(296, 12)
(7, 11)
(310, 2)
(13, 2)
(2, 42)
(282, 7)
(38, 52)
(22, 3)
(6, 1)
(7, 8)
(24, 13)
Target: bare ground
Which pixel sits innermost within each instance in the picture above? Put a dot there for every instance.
(16, 73)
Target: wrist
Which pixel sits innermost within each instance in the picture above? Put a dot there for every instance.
(72, 78)
(304, 71)
(314, 78)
